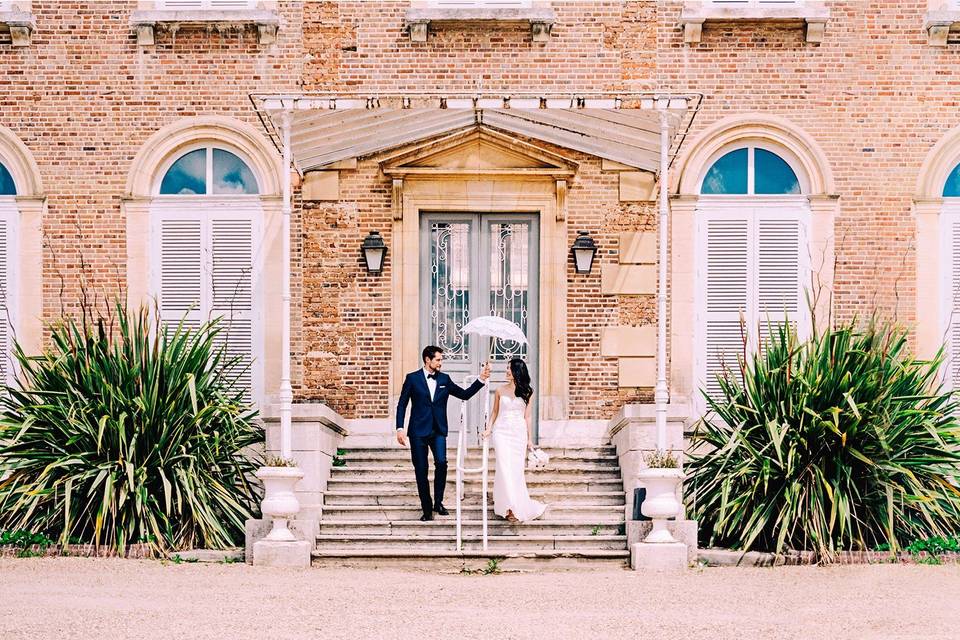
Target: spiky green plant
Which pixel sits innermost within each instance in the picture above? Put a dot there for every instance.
(841, 441)
(123, 432)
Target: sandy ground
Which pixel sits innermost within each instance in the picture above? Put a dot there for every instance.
(77, 598)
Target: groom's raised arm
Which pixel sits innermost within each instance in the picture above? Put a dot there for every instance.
(403, 402)
(465, 394)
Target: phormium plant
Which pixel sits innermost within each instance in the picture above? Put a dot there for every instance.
(124, 432)
(841, 441)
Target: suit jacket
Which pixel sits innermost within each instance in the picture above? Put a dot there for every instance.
(424, 414)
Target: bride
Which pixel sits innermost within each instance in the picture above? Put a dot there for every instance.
(512, 429)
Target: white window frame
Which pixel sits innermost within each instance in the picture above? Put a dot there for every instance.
(725, 207)
(756, 3)
(206, 209)
(202, 5)
(949, 214)
(11, 214)
(208, 168)
(751, 146)
(479, 4)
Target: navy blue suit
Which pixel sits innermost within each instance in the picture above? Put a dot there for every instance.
(428, 428)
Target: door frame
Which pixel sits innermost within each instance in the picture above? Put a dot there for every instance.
(480, 221)
(545, 199)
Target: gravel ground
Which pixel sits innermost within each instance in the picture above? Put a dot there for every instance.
(63, 598)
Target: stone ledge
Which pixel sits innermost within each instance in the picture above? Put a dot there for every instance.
(541, 19)
(938, 24)
(694, 14)
(146, 22)
(21, 24)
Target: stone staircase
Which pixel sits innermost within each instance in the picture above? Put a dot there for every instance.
(371, 514)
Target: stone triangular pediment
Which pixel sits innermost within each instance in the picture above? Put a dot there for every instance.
(477, 151)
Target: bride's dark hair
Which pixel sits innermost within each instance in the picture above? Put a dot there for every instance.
(521, 379)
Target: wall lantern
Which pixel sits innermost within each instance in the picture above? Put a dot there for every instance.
(584, 249)
(374, 250)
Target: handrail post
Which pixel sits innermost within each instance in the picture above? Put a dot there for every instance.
(463, 426)
(486, 447)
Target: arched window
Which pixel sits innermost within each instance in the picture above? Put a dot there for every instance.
(750, 171)
(951, 188)
(752, 261)
(204, 255)
(209, 170)
(7, 187)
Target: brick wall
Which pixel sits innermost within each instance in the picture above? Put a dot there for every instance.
(84, 98)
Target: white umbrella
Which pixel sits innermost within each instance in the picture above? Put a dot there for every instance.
(493, 327)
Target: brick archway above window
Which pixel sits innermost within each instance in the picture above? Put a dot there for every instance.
(264, 160)
(754, 127)
(18, 160)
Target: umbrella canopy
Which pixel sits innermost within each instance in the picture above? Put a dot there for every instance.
(495, 327)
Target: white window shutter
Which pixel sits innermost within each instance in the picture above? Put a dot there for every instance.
(779, 261)
(224, 5)
(727, 296)
(6, 346)
(232, 264)
(181, 270)
(953, 303)
(181, 5)
(212, 5)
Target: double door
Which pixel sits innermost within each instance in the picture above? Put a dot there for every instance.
(475, 265)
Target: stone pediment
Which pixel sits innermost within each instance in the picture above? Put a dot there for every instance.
(480, 152)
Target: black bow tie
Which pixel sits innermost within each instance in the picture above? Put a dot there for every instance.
(432, 376)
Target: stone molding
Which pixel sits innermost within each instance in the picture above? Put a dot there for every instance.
(147, 22)
(21, 24)
(420, 19)
(19, 161)
(937, 25)
(936, 167)
(694, 14)
(265, 162)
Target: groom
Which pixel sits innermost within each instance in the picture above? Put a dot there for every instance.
(427, 390)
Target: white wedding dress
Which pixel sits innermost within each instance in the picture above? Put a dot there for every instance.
(510, 443)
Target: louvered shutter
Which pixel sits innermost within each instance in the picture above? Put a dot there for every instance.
(232, 293)
(952, 295)
(726, 296)
(181, 270)
(779, 259)
(7, 215)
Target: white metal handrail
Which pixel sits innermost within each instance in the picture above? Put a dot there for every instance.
(483, 469)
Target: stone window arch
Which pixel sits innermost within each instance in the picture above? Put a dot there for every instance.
(752, 226)
(203, 220)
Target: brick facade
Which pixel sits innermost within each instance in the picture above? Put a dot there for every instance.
(84, 98)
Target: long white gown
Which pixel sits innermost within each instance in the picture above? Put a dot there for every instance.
(510, 443)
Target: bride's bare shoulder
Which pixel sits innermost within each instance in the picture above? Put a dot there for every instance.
(502, 389)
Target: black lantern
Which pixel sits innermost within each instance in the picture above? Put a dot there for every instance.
(583, 249)
(374, 250)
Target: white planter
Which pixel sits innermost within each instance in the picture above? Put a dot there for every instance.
(661, 501)
(279, 502)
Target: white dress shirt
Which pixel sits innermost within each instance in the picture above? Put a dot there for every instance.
(431, 383)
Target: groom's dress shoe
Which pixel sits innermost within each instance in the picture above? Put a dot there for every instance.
(442, 510)
(426, 517)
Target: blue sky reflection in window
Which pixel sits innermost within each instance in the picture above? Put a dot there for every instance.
(187, 176)
(951, 189)
(231, 175)
(7, 187)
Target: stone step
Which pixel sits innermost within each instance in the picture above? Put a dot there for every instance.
(367, 543)
(536, 484)
(410, 499)
(578, 472)
(563, 452)
(382, 513)
(469, 561)
(446, 526)
(403, 454)
(473, 462)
